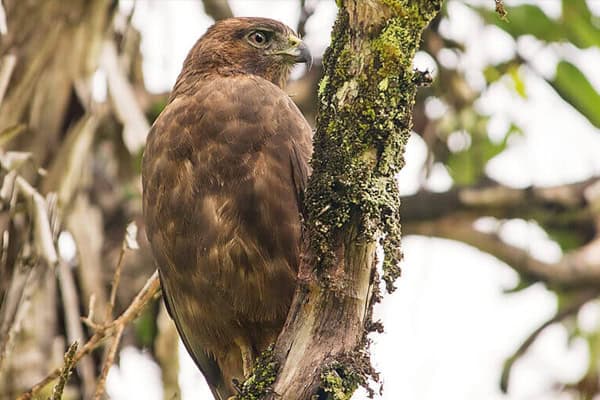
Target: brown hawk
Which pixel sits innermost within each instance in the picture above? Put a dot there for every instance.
(223, 173)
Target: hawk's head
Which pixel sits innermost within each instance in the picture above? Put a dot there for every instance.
(258, 46)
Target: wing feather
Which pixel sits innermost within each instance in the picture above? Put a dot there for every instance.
(224, 173)
(207, 364)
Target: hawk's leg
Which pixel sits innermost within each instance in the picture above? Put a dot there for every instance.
(247, 355)
(238, 388)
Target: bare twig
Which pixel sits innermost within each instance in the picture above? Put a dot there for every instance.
(42, 231)
(566, 311)
(70, 300)
(123, 97)
(6, 67)
(112, 350)
(65, 174)
(108, 362)
(115, 284)
(89, 240)
(504, 202)
(217, 9)
(65, 372)
(307, 9)
(577, 268)
(149, 290)
(3, 26)
(15, 305)
(25, 281)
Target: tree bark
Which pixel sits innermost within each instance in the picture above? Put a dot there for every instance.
(365, 99)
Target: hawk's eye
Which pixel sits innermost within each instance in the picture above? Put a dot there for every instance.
(259, 38)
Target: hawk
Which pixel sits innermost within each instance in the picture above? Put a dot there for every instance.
(223, 175)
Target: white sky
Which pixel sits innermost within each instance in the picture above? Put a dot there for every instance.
(449, 327)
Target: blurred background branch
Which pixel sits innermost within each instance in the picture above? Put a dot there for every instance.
(217, 9)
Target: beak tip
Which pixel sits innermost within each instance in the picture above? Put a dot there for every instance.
(305, 56)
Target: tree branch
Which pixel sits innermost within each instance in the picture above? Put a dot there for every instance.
(365, 101)
(108, 362)
(217, 9)
(122, 95)
(540, 203)
(7, 65)
(65, 372)
(75, 334)
(111, 329)
(571, 308)
(25, 281)
(306, 11)
(578, 268)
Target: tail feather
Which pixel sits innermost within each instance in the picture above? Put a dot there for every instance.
(207, 364)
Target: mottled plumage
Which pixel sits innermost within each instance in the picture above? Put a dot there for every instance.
(223, 173)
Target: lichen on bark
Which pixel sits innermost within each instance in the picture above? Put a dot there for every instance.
(365, 105)
(366, 99)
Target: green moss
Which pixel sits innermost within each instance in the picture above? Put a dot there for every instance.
(366, 99)
(364, 113)
(339, 382)
(262, 378)
(322, 85)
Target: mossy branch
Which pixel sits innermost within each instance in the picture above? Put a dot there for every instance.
(263, 375)
(366, 98)
(365, 118)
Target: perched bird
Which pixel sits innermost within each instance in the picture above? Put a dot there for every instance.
(223, 175)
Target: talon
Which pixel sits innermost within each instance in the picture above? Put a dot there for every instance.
(237, 386)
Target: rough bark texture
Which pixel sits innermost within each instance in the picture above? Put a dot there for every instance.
(365, 98)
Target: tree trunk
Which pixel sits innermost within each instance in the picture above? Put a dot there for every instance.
(366, 99)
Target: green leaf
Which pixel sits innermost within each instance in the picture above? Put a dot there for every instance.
(468, 167)
(463, 169)
(145, 327)
(518, 82)
(525, 19)
(573, 86)
(576, 6)
(567, 239)
(579, 25)
(493, 73)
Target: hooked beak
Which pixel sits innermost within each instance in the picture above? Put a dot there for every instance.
(299, 51)
(304, 55)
